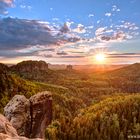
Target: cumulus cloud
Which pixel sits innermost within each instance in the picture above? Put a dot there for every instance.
(79, 29)
(25, 37)
(4, 4)
(65, 28)
(116, 36)
(124, 31)
(100, 31)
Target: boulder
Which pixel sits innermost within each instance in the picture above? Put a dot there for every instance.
(8, 132)
(30, 117)
(17, 111)
(41, 113)
(6, 127)
(7, 137)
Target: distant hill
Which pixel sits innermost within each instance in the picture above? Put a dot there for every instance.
(126, 79)
(127, 71)
(97, 68)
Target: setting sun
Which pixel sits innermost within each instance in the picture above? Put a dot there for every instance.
(100, 57)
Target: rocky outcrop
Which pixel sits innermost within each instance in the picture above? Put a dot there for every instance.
(8, 132)
(41, 113)
(30, 117)
(6, 127)
(30, 66)
(17, 111)
(69, 67)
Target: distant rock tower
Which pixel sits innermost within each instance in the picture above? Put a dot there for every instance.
(30, 66)
(69, 67)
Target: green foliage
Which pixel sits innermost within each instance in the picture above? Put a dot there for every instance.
(113, 119)
(89, 106)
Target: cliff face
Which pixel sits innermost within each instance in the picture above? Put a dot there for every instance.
(30, 66)
(30, 117)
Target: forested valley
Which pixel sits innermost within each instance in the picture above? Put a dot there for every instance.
(86, 105)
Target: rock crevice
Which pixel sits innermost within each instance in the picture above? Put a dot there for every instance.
(30, 117)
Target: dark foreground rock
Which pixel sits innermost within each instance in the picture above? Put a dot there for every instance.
(30, 117)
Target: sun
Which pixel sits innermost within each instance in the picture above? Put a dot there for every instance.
(100, 58)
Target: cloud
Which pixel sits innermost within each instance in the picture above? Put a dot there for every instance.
(22, 37)
(51, 9)
(55, 19)
(65, 28)
(62, 53)
(98, 21)
(100, 31)
(108, 14)
(79, 29)
(41, 39)
(90, 27)
(91, 15)
(124, 55)
(4, 4)
(72, 56)
(124, 31)
(115, 8)
(26, 7)
(116, 36)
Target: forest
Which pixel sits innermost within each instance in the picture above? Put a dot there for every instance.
(86, 105)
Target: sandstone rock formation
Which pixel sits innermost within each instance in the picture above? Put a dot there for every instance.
(8, 132)
(69, 67)
(6, 127)
(17, 111)
(30, 116)
(41, 113)
(30, 66)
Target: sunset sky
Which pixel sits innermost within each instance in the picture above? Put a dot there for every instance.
(70, 31)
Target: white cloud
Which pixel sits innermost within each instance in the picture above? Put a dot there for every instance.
(22, 33)
(55, 19)
(89, 27)
(69, 23)
(98, 21)
(26, 7)
(115, 8)
(91, 15)
(22, 6)
(51, 9)
(4, 4)
(100, 31)
(79, 29)
(108, 14)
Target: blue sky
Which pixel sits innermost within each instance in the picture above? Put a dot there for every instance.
(70, 31)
